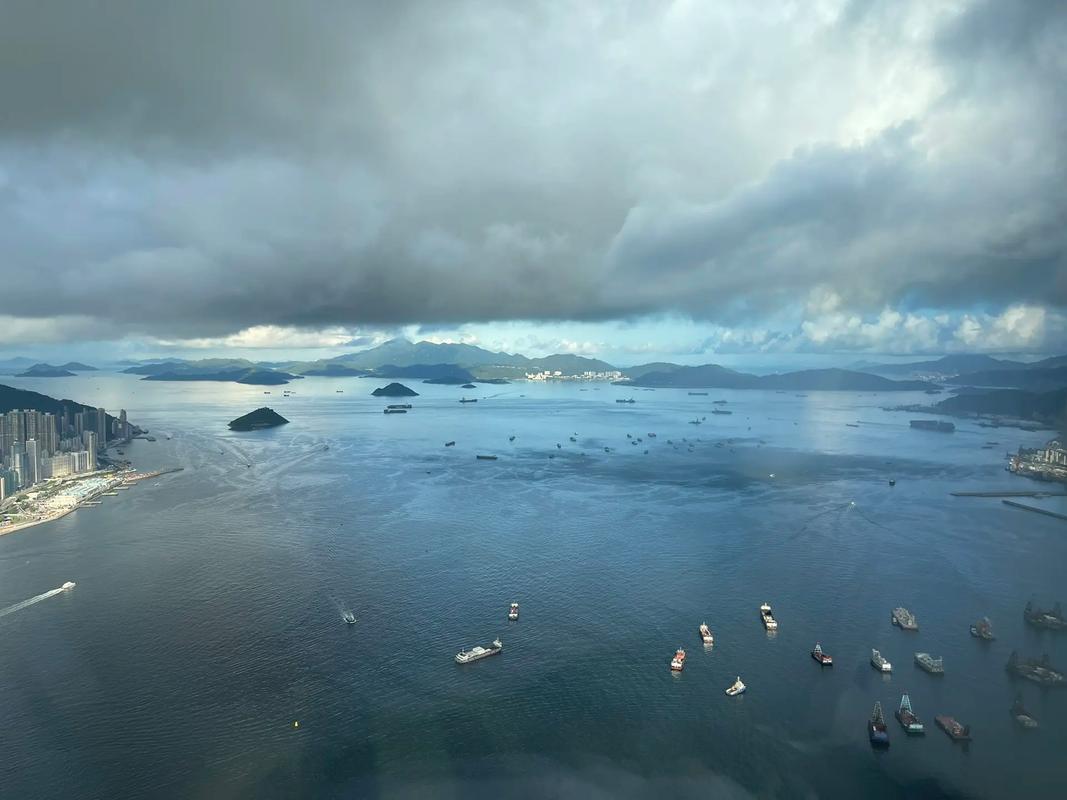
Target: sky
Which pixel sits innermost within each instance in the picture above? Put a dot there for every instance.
(691, 181)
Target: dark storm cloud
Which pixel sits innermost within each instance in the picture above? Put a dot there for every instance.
(189, 169)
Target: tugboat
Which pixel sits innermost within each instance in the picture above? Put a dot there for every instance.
(956, 731)
(1040, 618)
(879, 662)
(932, 665)
(475, 653)
(349, 617)
(513, 612)
(736, 688)
(823, 658)
(1021, 715)
(769, 622)
(705, 634)
(1040, 672)
(876, 729)
(983, 629)
(678, 662)
(907, 719)
(905, 620)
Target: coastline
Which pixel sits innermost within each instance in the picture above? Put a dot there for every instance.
(119, 479)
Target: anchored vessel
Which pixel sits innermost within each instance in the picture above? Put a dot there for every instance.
(513, 612)
(1040, 672)
(736, 688)
(932, 665)
(1050, 620)
(475, 653)
(876, 729)
(486, 458)
(769, 622)
(678, 662)
(823, 658)
(1021, 715)
(879, 662)
(933, 425)
(631, 400)
(907, 718)
(983, 629)
(399, 405)
(705, 634)
(957, 731)
(904, 619)
(465, 400)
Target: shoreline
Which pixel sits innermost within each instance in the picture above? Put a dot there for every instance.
(121, 479)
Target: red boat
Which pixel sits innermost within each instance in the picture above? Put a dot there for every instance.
(823, 658)
(956, 731)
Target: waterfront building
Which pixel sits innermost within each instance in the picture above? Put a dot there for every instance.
(33, 462)
(101, 428)
(91, 446)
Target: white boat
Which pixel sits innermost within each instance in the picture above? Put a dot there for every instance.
(349, 617)
(736, 688)
(475, 653)
(769, 622)
(879, 662)
(66, 587)
(705, 634)
(513, 612)
(678, 662)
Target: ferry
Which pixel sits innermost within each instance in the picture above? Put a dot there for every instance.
(879, 662)
(1051, 620)
(513, 612)
(877, 732)
(1021, 715)
(475, 653)
(349, 617)
(736, 688)
(823, 658)
(705, 634)
(678, 662)
(932, 665)
(907, 719)
(904, 619)
(983, 629)
(769, 622)
(955, 730)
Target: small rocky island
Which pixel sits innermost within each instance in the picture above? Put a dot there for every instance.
(394, 390)
(258, 419)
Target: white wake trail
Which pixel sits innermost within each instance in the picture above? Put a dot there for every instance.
(33, 600)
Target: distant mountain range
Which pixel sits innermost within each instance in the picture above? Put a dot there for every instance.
(45, 371)
(1049, 408)
(12, 398)
(20, 366)
(713, 376)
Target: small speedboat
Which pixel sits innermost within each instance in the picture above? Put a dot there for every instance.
(66, 587)
(513, 612)
(349, 617)
(736, 688)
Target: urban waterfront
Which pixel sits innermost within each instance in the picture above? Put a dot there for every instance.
(207, 615)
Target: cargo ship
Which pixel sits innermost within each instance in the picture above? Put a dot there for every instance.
(1031, 669)
(486, 458)
(1041, 618)
(631, 400)
(904, 619)
(1021, 715)
(953, 728)
(879, 662)
(876, 729)
(678, 662)
(465, 400)
(705, 634)
(934, 666)
(933, 425)
(983, 629)
(395, 411)
(769, 622)
(911, 724)
(823, 658)
(475, 653)
(720, 411)
(513, 612)
(399, 405)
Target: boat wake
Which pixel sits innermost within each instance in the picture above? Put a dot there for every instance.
(34, 600)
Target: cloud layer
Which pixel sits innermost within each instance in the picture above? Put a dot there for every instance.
(193, 170)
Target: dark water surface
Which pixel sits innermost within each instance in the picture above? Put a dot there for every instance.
(207, 616)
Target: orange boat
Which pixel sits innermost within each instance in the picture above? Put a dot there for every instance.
(678, 661)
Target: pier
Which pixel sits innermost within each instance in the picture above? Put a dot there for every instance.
(1009, 494)
(1044, 511)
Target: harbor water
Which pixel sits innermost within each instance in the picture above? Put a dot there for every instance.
(203, 652)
